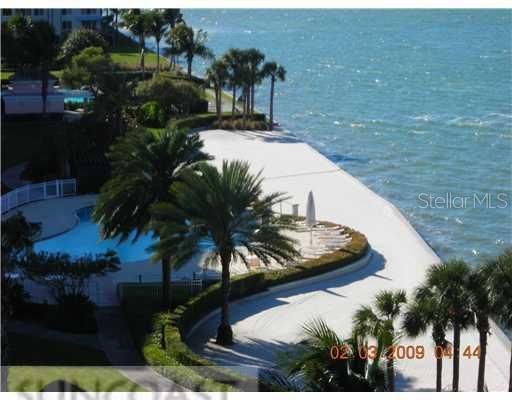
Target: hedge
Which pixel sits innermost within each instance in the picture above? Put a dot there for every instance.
(167, 340)
(206, 120)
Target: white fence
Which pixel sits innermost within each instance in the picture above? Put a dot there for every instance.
(38, 191)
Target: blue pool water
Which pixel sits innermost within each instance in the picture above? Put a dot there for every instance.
(84, 238)
(411, 102)
(76, 96)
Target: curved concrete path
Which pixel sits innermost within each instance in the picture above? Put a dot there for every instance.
(265, 326)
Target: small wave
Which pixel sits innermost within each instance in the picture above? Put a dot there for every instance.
(337, 123)
(356, 125)
(423, 117)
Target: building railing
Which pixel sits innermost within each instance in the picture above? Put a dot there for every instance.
(38, 191)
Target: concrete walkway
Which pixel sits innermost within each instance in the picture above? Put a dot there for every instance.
(265, 326)
(118, 345)
(55, 215)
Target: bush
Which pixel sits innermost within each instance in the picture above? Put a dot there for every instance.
(175, 96)
(152, 115)
(209, 121)
(74, 313)
(80, 39)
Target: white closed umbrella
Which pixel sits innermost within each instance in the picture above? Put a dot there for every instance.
(311, 214)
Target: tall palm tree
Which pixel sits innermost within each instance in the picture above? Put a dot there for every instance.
(254, 59)
(137, 22)
(481, 306)
(145, 165)
(228, 207)
(217, 75)
(157, 25)
(115, 94)
(428, 309)
(451, 281)
(500, 283)
(275, 72)
(233, 60)
(44, 48)
(379, 323)
(184, 40)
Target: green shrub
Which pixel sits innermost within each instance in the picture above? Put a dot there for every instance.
(152, 115)
(74, 313)
(177, 97)
(209, 121)
(80, 39)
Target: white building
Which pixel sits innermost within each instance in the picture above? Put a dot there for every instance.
(23, 96)
(63, 20)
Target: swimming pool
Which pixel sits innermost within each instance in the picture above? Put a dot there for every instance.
(85, 238)
(76, 96)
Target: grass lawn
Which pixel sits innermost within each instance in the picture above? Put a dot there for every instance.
(127, 54)
(35, 362)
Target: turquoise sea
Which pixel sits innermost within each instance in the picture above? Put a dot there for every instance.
(414, 103)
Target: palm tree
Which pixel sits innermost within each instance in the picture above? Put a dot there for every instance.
(233, 60)
(184, 40)
(137, 22)
(145, 165)
(116, 12)
(481, 306)
(500, 284)
(312, 360)
(217, 74)
(427, 310)
(254, 59)
(157, 25)
(378, 322)
(451, 281)
(274, 71)
(227, 207)
(44, 49)
(115, 94)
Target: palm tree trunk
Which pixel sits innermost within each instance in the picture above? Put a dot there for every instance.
(44, 88)
(189, 67)
(158, 56)
(142, 66)
(481, 362)
(252, 99)
(390, 373)
(271, 112)
(116, 33)
(166, 283)
(439, 373)
(224, 331)
(233, 107)
(456, 354)
(218, 107)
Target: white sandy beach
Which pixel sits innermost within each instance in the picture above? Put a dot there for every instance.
(267, 324)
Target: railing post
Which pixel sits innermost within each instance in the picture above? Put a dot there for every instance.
(44, 190)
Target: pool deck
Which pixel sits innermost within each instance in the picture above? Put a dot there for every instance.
(55, 215)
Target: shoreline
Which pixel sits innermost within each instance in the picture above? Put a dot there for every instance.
(271, 323)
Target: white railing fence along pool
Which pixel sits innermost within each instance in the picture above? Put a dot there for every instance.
(38, 191)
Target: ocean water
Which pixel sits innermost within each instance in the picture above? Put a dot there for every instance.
(414, 103)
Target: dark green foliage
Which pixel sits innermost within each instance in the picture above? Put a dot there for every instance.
(80, 39)
(207, 120)
(74, 313)
(151, 115)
